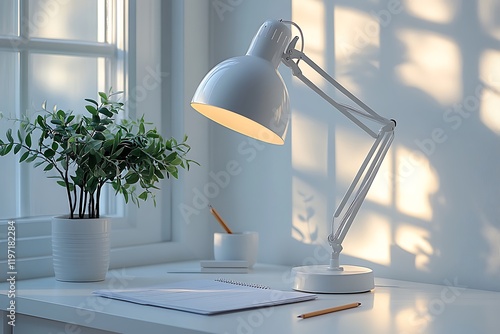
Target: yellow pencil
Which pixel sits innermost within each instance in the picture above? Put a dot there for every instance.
(219, 219)
(328, 310)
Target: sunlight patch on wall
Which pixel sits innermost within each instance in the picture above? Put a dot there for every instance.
(488, 16)
(349, 156)
(349, 153)
(381, 189)
(492, 236)
(437, 11)
(490, 99)
(309, 15)
(369, 238)
(414, 189)
(357, 34)
(415, 240)
(433, 65)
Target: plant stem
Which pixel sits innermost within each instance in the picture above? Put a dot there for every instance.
(81, 207)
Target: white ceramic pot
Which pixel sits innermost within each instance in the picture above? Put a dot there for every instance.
(236, 246)
(80, 249)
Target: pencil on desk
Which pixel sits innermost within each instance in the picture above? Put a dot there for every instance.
(328, 310)
(220, 220)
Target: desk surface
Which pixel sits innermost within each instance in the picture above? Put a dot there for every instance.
(392, 307)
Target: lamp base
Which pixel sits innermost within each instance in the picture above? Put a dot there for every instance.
(321, 279)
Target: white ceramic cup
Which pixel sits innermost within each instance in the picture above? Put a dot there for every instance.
(236, 246)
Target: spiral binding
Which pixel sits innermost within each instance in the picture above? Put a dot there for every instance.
(250, 285)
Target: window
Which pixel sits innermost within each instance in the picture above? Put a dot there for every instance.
(64, 51)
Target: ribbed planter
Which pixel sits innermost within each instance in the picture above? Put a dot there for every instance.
(80, 249)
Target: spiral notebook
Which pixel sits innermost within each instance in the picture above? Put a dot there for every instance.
(207, 296)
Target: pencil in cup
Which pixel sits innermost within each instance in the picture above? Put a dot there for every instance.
(220, 220)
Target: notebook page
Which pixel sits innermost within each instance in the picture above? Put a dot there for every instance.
(206, 296)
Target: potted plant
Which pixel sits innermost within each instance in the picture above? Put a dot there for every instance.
(86, 152)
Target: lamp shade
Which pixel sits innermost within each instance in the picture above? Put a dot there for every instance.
(247, 93)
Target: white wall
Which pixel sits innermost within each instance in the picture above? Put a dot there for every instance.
(189, 42)
(432, 214)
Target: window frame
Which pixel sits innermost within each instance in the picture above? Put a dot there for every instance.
(33, 233)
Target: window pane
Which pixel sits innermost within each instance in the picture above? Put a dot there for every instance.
(9, 67)
(8, 17)
(64, 81)
(73, 20)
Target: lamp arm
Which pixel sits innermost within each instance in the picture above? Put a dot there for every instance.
(350, 112)
(366, 174)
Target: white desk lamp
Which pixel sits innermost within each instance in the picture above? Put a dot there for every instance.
(248, 95)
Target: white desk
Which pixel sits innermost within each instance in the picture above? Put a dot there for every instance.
(47, 306)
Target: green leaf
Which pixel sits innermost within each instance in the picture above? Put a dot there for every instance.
(171, 157)
(9, 136)
(56, 121)
(152, 134)
(38, 164)
(40, 121)
(92, 101)
(125, 195)
(27, 140)
(61, 183)
(104, 97)
(99, 136)
(117, 153)
(100, 128)
(49, 153)
(61, 114)
(24, 156)
(96, 119)
(7, 149)
(159, 174)
(105, 111)
(31, 158)
(48, 167)
(132, 178)
(176, 161)
(143, 196)
(136, 152)
(91, 109)
(17, 148)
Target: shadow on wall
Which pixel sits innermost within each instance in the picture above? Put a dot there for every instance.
(432, 214)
